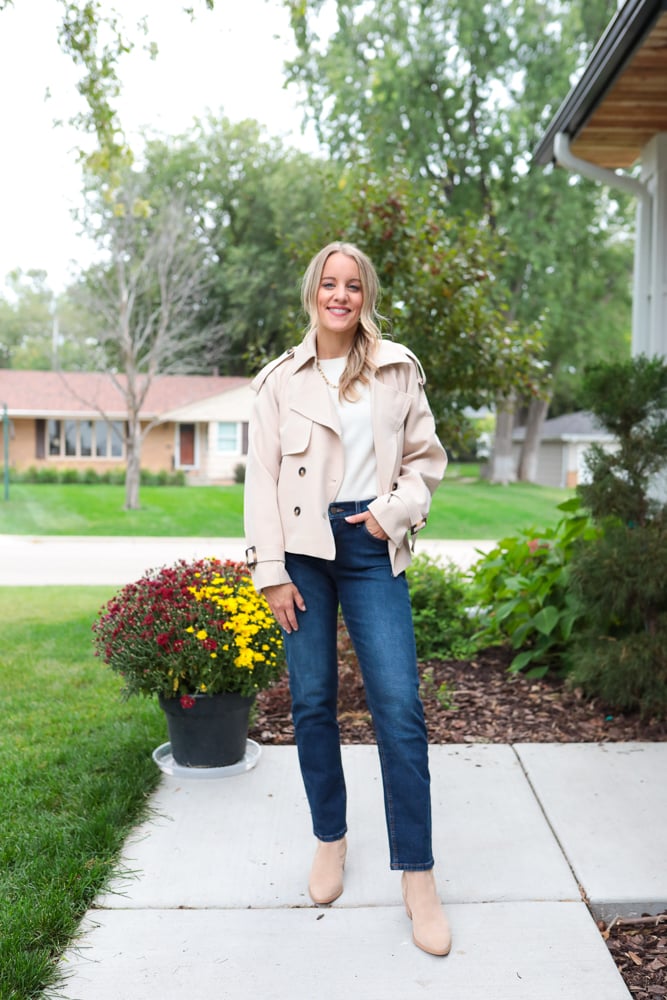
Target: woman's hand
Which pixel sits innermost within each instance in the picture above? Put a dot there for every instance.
(284, 599)
(372, 526)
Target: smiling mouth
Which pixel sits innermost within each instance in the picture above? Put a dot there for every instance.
(338, 310)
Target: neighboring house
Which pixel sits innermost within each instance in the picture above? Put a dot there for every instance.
(564, 442)
(76, 420)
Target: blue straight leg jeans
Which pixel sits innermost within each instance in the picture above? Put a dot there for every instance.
(377, 613)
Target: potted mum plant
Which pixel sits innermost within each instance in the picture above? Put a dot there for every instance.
(199, 637)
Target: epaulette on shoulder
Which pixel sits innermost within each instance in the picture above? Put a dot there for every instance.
(399, 353)
(261, 377)
(421, 374)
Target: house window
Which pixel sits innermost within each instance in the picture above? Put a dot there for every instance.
(85, 438)
(71, 427)
(108, 439)
(228, 438)
(54, 436)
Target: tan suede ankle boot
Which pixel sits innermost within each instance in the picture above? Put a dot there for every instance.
(326, 875)
(430, 928)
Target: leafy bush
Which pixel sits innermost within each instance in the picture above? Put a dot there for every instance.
(440, 599)
(522, 589)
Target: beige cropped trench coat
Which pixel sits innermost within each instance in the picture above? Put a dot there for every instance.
(295, 459)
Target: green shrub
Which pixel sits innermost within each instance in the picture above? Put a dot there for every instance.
(90, 476)
(522, 590)
(620, 652)
(46, 474)
(239, 473)
(440, 609)
(70, 476)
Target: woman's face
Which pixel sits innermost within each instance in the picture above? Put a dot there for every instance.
(339, 298)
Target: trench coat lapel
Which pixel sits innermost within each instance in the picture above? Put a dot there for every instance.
(309, 396)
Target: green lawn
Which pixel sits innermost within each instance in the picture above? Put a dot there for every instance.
(75, 770)
(462, 508)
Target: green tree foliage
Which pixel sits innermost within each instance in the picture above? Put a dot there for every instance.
(260, 209)
(41, 330)
(441, 296)
(460, 94)
(620, 653)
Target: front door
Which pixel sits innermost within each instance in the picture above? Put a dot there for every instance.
(186, 446)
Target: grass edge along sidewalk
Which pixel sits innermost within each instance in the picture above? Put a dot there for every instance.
(75, 777)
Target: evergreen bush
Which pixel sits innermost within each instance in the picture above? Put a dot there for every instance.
(620, 578)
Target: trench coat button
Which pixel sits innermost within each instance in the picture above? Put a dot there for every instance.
(302, 470)
(297, 511)
(394, 487)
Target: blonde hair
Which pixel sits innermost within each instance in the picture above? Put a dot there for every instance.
(360, 365)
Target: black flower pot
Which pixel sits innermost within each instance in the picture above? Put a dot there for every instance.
(212, 732)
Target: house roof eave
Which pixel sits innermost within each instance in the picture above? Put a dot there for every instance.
(623, 36)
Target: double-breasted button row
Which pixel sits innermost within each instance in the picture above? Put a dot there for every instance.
(302, 470)
(297, 511)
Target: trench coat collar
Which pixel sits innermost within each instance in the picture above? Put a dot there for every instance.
(388, 353)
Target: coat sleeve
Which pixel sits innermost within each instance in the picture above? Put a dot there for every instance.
(265, 552)
(404, 509)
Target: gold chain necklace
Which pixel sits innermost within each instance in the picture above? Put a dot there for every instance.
(321, 371)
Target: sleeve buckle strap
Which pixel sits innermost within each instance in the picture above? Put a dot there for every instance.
(251, 557)
(418, 526)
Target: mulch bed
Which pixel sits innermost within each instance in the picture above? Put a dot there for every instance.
(477, 701)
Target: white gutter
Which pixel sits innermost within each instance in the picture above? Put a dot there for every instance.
(641, 298)
(566, 158)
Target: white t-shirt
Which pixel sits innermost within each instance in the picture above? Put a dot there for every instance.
(360, 475)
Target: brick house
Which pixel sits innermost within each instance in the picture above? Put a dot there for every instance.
(76, 420)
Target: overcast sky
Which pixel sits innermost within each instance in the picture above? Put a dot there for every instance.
(229, 60)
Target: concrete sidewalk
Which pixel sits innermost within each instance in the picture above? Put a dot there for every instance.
(214, 901)
(27, 560)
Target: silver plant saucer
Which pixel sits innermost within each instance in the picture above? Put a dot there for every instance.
(163, 758)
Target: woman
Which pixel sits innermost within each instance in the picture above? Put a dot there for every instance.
(343, 459)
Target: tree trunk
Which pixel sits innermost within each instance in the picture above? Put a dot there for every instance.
(133, 464)
(537, 411)
(501, 464)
